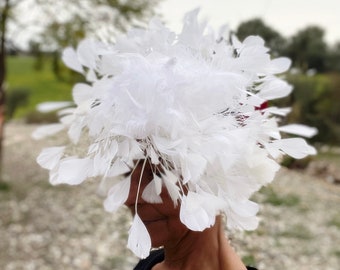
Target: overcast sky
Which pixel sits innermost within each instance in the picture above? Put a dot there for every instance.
(285, 16)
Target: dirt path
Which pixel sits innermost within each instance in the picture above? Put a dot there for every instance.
(44, 227)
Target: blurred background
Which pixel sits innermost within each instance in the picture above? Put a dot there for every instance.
(44, 227)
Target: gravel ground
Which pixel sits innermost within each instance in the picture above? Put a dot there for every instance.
(44, 227)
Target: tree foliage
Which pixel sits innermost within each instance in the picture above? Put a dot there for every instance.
(65, 22)
(314, 97)
(314, 103)
(333, 58)
(308, 49)
(5, 9)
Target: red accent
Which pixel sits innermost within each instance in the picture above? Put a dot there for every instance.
(264, 105)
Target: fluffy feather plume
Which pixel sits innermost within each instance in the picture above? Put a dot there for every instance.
(188, 103)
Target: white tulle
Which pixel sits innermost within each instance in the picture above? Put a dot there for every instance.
(188, 103)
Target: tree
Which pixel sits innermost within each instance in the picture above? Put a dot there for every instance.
(256, 26)
(308, 50)
(63, 23)
(5, 8)
(333, 59)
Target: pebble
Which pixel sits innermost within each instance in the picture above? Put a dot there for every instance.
(44, 227)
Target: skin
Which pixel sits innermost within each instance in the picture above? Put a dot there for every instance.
(184, 249)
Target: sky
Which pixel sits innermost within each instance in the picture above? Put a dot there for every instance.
(285, 16)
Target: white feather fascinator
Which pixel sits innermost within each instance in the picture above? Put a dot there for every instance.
(189, 104)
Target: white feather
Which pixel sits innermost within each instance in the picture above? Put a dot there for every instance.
(158, 184)
(236, 222)
(82, 92)
(278, 111)
(294, 147)
(300, 130)
(154, 157)
(139, 241)
(193, 166)
(73, 171)
(264, 170)
(51, 106)
(244, 208)
(170, 181)
(47, 130)
(70, 59)
(186, 101)
(198, 210)
(150, 193)
(193, 215)
(117, 195)
(118, 168)
(86, 53)
(50, 157)
(91, 76)
(274, 89)
(75, 130)
(279, 65)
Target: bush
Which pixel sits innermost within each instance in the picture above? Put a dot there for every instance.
(293, 163)
(16, 98)
(42, 84)
(276, 199)
(4, 186)
(36, 117)
(314, 103)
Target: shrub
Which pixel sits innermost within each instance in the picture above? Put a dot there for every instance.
(36, 117)
(15, 98)
(293, 163)
(271, 197)
(314, 103)
(4, 186)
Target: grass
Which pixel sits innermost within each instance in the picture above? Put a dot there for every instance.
(116, 262)
(297, 231)
(273, 198)
(336, 253)
(330, 155)
(4, 186)
(249, 260)
(335, 221)
(42, 85)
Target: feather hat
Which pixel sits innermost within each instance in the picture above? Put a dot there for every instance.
(189, 103)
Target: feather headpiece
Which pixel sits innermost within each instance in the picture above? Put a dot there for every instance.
(186, 102)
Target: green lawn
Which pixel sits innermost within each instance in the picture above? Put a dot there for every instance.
(42, 85)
